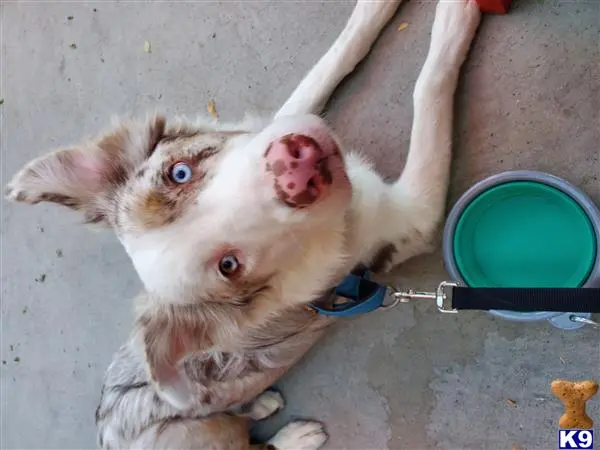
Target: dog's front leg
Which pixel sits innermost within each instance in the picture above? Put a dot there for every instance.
(411, 209)
(351, 46)
(426, 176)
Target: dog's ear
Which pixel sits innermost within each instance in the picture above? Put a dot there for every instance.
(168, 334)
(84, 177)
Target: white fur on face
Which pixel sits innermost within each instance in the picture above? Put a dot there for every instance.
(235, 210)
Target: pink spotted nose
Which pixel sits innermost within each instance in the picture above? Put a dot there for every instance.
(299, 168)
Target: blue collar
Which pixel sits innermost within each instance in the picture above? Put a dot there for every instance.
(361, 294)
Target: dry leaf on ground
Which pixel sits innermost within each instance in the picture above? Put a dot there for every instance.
(212, 109)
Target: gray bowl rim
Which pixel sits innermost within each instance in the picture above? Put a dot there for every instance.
(572, 191)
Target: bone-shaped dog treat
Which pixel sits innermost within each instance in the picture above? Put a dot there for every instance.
(574, 395)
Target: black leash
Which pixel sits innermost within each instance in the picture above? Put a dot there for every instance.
(358, 294)
(585, 300)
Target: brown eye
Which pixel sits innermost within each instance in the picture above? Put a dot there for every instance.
(229, 265)
(180, 173)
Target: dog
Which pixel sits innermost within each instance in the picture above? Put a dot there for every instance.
(235, 228)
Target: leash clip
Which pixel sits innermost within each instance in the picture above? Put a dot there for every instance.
(442, 296)
(584, 320)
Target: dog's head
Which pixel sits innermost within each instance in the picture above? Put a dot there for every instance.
(208, 214)
(225, 226)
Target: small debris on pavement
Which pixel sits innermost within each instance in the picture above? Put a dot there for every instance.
(25, 309)
(511, 402)
(70, 17)
(403, 26)
(212, 109)
(73, 45)
(59, 252)
(147, 47)
(17, 359)
(41, 278)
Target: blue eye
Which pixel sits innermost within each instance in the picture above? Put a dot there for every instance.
(180, 173)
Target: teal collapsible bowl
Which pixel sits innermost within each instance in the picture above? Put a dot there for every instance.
(524, 229)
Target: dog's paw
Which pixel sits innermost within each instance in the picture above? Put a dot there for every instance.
(300, 435)
(265, 405)
(454, 27)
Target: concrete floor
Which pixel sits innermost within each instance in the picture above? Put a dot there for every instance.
(406, 379)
